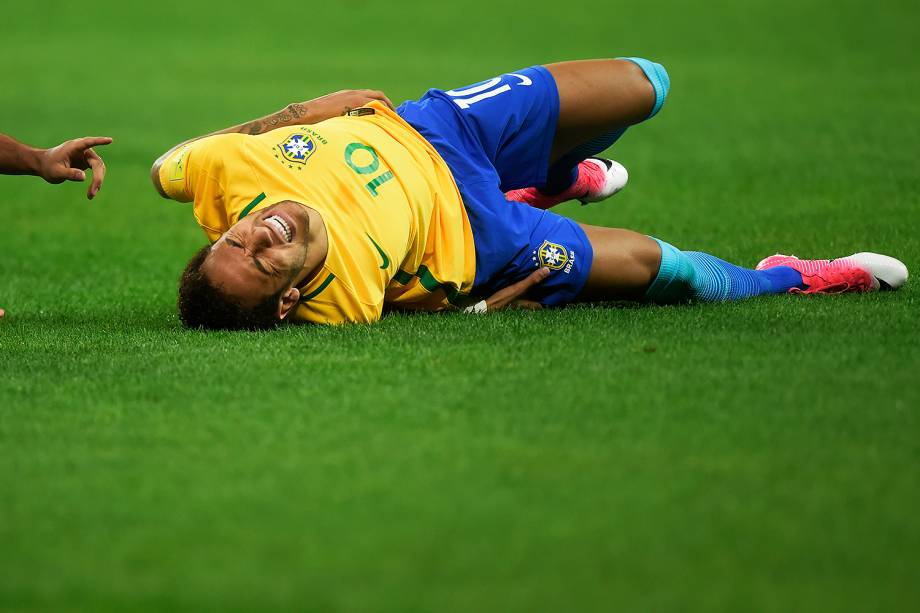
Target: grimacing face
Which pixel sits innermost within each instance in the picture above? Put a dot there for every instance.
(262, 254)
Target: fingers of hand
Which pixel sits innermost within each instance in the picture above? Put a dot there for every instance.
(503, 297)
(90, 141)
(529, 305)
(75, 149)
(58, 173)
(59, 169)
(98, 166)
(369, 95)
(538, 276)
(535, 278)
(352, 99)
(74, 174)
(379, 95)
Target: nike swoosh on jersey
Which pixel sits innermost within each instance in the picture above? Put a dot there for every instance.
(386, 259)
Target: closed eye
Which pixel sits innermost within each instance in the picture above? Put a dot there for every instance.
(258, 264)
(255, 260)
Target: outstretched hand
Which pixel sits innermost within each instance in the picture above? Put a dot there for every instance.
(69, 160)
(512, 296)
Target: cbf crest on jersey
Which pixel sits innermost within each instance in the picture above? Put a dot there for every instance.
(553, 255)
(296, 148)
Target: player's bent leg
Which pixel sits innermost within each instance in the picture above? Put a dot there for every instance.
(598, 100)
(597, 97)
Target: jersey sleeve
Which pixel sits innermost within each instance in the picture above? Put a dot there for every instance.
(173, 175)
(193, 173)
(189, 173)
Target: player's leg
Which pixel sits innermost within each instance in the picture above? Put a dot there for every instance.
(598, 101)
(591, 263)
(601, 98)
(630, 266)
(623, 266)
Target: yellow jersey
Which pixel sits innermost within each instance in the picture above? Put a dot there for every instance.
(397, 229)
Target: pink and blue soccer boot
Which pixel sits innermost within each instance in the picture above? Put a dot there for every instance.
(860, 272)
(597, 180)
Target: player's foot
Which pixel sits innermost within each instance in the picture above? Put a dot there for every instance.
(860, 272)
(597, 180)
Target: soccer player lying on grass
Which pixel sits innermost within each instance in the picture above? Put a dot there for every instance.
(66, 162)
(331, 210)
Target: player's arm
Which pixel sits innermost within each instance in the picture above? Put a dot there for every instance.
(294, 114)
(66, 162)
(513, 296)
(17, 158)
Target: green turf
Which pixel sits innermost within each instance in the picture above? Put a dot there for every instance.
(759, 456)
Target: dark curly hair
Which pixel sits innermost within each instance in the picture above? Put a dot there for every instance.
(204, 306)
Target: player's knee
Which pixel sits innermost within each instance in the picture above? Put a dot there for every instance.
(658, 77)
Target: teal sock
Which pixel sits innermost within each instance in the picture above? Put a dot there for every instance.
(692, 275)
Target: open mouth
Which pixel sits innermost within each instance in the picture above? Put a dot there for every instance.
(281, 226)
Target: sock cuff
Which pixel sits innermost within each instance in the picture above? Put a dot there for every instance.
(674, 264)
(657, 76)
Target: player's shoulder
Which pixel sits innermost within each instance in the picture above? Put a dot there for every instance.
(217, 143)
(211, 153)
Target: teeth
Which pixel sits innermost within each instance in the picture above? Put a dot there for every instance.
(282, 226)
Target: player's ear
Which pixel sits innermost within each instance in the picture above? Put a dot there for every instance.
(289, 300)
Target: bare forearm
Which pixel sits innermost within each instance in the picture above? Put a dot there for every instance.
(300, 113)
(292, 114)
(296, 114)
(17, 158)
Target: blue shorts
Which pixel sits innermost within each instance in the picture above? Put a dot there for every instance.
(496, 136)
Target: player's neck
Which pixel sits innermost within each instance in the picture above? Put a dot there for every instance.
(317, 248)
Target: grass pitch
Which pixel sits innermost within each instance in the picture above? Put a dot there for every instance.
(757, 456)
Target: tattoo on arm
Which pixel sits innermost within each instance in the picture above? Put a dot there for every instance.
(291, 112)
(252, 128)
(277, 120)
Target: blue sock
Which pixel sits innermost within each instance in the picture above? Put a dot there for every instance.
(691, 275)
(564, 171)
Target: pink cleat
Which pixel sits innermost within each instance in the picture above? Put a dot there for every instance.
(597, 180)
(860, 272)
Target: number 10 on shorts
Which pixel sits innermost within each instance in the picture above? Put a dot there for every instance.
(468, 96)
